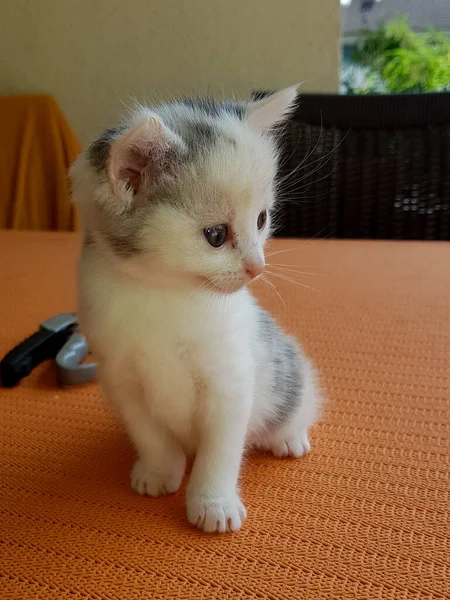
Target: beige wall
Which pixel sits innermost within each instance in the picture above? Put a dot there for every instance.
(92, 55)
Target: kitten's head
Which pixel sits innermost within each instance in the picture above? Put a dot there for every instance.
(183, 193)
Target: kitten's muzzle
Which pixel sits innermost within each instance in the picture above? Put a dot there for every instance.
(254, 269)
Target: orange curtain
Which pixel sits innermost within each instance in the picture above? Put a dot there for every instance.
(37, 146)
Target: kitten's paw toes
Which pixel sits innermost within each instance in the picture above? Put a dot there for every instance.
(219, 515)
(294, 446)
(151, 482)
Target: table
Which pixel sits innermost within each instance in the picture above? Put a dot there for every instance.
(365, 515)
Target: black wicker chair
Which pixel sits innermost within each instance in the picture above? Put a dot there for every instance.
(367, 167)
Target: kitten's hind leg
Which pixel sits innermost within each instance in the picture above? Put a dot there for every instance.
(161, 463)
(290, 443)
(289, 437)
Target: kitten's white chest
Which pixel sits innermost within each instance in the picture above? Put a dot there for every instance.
(174, 344)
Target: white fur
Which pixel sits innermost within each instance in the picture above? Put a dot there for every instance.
(175, 330)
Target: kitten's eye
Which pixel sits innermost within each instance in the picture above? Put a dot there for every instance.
(217, 235)
(262, 218)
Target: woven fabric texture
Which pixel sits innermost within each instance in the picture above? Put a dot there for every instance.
(365, 515)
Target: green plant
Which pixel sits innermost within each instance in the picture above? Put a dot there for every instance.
(396, 59)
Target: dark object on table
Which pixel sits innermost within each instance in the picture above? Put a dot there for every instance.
(41, 345)
(56, 338)
(367, 167)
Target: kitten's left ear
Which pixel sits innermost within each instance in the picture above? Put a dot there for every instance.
(269, 111)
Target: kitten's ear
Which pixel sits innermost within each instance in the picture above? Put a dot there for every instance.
(264, 114)
(139, 156)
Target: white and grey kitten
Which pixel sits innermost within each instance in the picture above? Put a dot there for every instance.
(176, 207)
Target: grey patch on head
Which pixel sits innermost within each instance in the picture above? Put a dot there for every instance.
(214, 108)
(196, 129)
(198, 136)
(284, 361)
(98, 151)
(198, 123)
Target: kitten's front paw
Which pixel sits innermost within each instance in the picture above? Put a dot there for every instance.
(292, 445)
(216, 515)
(151, 482)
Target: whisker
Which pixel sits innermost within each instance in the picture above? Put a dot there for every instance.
(308, 154)
(293, 271)
(286, 160)
(322, 162)
(289, 280)
(319, 233)
(269, 254)
(294, 266)
(299, 195)
(272, 287)
(324, 177)
(303, 242)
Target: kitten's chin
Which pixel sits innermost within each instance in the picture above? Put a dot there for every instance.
(177, 280)
(223, 288)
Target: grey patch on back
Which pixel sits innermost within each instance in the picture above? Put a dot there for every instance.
(284, 361)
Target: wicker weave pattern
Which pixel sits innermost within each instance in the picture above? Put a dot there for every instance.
(365, 516)
(376, 167)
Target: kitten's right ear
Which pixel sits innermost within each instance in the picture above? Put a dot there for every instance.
(138, 156)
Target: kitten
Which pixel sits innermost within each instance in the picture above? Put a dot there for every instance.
(176, 207)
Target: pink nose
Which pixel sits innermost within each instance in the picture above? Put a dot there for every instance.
(253, 270)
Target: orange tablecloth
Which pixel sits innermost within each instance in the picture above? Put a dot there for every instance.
(365, 515)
